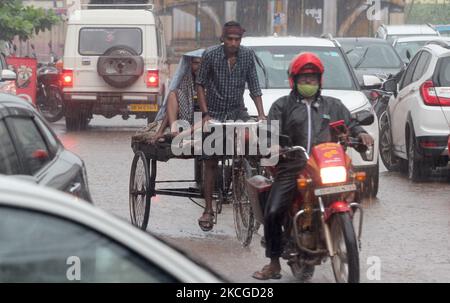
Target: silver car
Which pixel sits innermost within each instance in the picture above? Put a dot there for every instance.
(49, 236)
(29, 149)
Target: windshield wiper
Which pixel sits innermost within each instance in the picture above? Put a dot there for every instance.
(362, 58)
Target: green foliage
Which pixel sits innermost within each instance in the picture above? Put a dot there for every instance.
(429, 13)
(23, 21)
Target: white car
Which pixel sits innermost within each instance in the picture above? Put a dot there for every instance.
(276, 53)
(49, 236)
(407, 47)
(392, 32)
(416, 127)
(115, 63)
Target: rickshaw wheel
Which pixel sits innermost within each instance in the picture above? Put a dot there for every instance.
(140, 198)
(242, 212)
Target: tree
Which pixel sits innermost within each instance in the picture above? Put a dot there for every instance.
(23, 21)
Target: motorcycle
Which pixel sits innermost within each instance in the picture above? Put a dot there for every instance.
(319, 224)
(49, 99)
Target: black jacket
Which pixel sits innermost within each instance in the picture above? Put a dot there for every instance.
(292, 113)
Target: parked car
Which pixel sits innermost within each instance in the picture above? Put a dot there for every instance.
(443, 29)
(407, 47)
(416, 132)
(371, 56)
(48, 236)
(339, 81)
(29, 149)
(392, 32)
(115, 63)
(7, 77)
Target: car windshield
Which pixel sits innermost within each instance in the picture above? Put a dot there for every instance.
(95, 41)
(375, 55)
(413, 47)
(276, 60)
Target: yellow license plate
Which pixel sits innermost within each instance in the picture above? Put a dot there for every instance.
(143, 107)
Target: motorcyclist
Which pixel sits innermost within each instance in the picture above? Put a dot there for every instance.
(304, 116)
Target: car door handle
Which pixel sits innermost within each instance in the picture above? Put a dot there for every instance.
(75, 188)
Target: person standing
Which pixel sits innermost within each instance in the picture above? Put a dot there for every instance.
(225, 70)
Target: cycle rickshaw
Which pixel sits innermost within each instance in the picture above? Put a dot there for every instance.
(230, 183)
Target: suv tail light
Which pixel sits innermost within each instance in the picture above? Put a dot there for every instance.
(433, 95)
(67, 78)
(152, 78)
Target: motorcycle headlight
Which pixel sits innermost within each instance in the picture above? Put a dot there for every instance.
(336, 174)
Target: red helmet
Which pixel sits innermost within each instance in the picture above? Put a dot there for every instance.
(304, 63)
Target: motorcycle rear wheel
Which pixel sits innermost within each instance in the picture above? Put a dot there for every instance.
(345, 262)
(53, 108)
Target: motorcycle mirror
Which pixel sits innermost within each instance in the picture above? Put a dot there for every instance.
(364, 117)
(390, 85)
(285, 140)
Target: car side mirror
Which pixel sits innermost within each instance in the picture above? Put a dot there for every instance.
(364, 117)
(408, 55)
(8, 75)
(390, 85)
(371, 82)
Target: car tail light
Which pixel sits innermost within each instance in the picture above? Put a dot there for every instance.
(448, 145)
(428, 144)
(152, 79)
(433, 95)
(374, 95)
(67, 78)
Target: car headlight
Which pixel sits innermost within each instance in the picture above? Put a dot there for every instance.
(335, 174)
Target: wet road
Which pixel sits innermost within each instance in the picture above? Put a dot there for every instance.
(406, 228)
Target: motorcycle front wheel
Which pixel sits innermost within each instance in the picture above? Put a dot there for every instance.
(52, 106)
(345, 262)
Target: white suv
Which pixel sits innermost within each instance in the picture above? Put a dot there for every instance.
(114, 64)
(392, 32)
(275, 54)
(415, 130)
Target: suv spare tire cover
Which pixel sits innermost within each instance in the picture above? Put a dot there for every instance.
(120, 66)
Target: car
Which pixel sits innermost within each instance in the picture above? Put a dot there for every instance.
(49, 236)
(274, 55)
(114, 63)
(392, 32)
(443, 29)
(7, 77)
(30, 150)
(371, 56)
(415, 134)
(407, 47)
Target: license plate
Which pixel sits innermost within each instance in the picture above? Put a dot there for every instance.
(335, 189)
(143, 107)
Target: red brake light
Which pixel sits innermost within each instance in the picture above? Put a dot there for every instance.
(433, 95)
(152, 79)
(374, 95)
(67, 78)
